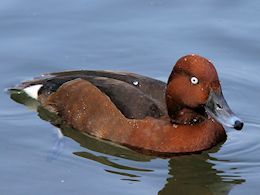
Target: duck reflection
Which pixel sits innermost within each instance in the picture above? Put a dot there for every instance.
(194, 174)
(187, 174)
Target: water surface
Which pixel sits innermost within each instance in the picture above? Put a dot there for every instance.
(145, 37)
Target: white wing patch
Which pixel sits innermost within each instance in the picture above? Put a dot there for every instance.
(33, 90)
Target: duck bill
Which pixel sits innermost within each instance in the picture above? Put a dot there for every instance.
(218, 109)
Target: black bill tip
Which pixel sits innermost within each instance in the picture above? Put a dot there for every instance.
(238, 125)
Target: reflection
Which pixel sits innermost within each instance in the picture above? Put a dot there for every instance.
(194, 174)
(101, 146)
(124, 174)
(105, 161)
(188, 174)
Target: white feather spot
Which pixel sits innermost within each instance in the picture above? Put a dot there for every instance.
(135, 83)
(33, 90)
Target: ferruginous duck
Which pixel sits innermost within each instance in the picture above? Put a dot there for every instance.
(185, 115)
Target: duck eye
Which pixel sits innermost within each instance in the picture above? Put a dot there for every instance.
(194, 80)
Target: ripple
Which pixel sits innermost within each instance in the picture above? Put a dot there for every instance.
(240, 155)
(106, 161)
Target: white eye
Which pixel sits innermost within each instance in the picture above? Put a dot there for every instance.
(194, 80)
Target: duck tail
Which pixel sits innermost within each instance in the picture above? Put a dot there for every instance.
(31, 87)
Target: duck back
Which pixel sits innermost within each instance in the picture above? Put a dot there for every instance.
(134, 95)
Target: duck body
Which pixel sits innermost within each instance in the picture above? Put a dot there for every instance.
(140, 112)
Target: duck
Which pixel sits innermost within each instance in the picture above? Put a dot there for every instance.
(185, 115)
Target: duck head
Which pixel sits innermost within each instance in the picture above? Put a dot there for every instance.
(194, 94)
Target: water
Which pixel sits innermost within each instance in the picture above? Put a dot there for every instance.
(145, 37)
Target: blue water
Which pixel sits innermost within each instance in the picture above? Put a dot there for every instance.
(145, 37)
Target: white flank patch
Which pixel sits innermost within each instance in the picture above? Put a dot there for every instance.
(33, 90)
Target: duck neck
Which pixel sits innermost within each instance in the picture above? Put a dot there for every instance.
(184, 115)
